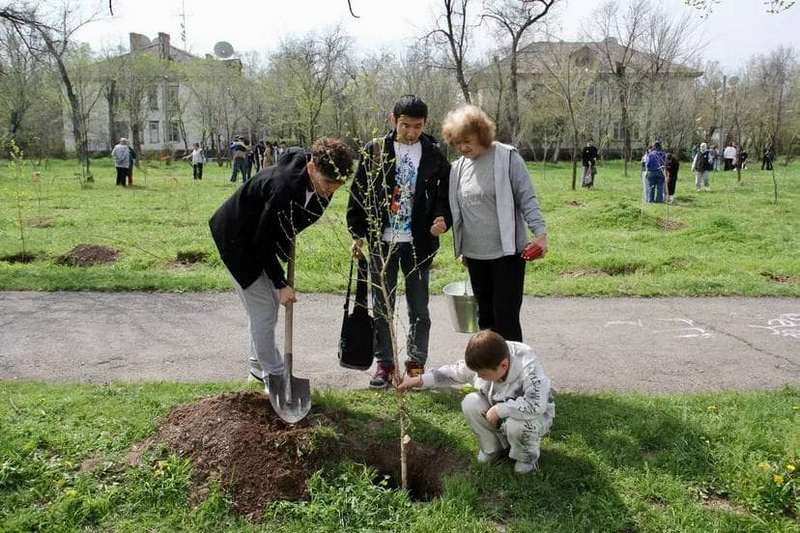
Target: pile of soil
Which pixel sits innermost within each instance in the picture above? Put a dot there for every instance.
(237, 439)
(85, 255)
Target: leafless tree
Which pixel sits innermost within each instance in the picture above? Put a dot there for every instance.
(451, 35)
(310, 64)
(55, 39)
(515, 18)
(616, 32)
(569, 75)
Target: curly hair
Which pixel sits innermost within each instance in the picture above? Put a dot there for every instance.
(468, 120)
(333, 158)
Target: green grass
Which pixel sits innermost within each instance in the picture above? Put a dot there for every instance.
(611, 463)
(731, 241)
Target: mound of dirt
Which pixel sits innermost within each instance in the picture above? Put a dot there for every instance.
(87, 255)
(237, 439)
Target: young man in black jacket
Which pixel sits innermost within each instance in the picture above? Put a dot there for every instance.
(399, 206)
(254, 228)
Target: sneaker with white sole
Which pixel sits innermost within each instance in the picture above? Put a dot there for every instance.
(489, 458)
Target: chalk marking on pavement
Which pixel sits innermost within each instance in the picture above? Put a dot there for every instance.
(786, 325)
(692, 330)
(625, 323)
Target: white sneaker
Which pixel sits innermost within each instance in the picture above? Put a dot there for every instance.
(488, 458)
(524, 468)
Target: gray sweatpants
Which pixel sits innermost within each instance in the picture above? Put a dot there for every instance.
(700, 179)
(523, 437)
(261, 302)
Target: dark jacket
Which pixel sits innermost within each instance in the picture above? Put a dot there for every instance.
(672, 165)
(430, 196)
(253, 229)
(589, 155)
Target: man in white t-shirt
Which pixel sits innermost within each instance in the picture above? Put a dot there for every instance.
(399, 206)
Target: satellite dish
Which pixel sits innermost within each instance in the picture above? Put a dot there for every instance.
(223, 49)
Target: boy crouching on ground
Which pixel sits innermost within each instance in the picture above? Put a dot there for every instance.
(513, 408)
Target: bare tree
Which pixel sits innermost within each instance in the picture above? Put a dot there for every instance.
(616, 32)
(20, 78)
(772, 6)
(569, 75)
(55, 39)
(515, 18)
(310, 64)
(451, 35)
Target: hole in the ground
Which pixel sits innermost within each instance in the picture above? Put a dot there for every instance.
(426, 468)
(21, 257)
(191, 256)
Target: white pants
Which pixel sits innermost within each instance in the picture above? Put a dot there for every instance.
(261, 301)
(523, 437)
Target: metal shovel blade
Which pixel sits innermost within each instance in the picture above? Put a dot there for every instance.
(290, 397)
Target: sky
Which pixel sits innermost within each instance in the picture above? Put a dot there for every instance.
(735, 30)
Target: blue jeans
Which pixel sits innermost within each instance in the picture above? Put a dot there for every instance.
(240, 165)
(419, 318)
(655, 186)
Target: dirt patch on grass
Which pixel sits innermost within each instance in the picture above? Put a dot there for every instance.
(21, 257)
(581, 272)
(41, 222)
(781, 278)
(670, 224)
(575, 203)
(85, 255)
(236, 439)
(190, 257)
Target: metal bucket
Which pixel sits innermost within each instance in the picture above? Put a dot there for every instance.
(462, 306)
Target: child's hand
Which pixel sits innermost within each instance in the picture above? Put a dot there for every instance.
(492, 417)
(410, 383)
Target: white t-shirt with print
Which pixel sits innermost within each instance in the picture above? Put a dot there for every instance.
(407, 158)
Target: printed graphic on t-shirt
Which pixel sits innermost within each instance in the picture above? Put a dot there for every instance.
(402, 199)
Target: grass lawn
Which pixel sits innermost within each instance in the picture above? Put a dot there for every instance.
(730, 241)
(721, 462)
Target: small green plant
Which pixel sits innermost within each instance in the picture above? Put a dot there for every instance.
(780, 488)
(17, 164)
(347, 498)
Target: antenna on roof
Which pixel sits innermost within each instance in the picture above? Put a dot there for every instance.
(223, 49)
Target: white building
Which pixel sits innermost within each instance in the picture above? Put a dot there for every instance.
(170, 121)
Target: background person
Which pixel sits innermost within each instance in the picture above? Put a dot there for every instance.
(121, 154)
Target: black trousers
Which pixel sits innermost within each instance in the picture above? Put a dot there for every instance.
(498, 284)
(671, 181)
(122, 175)
(197, 171)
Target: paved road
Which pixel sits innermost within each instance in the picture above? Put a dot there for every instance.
(657, 345)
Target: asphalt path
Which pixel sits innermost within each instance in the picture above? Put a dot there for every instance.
(587, 344)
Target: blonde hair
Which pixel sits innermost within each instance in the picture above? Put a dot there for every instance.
(468, 120)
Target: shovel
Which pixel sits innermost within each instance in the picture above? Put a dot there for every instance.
(290, 396)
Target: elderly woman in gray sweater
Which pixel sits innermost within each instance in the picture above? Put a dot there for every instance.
(494, 206)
